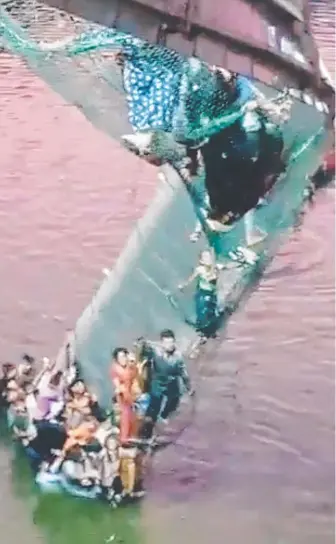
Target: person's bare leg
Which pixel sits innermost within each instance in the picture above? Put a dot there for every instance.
(217, 226)
(196, 234)
(57, 45)
(253, 235)
(246, 253)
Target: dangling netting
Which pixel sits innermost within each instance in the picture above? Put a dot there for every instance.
(126, 85)
(164, 91)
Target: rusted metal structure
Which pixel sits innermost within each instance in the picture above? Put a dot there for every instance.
(269, 40)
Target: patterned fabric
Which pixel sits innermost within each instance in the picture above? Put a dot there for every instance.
(180, 96)
(170, 93)
(151, 76)
(152, 95)
(166, 91)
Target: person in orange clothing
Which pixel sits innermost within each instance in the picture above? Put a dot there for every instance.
(74, 454)
(123, 377)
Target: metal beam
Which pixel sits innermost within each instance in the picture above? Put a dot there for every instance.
(293, 7)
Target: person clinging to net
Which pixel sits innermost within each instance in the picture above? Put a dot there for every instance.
(164, 90)
(151, 77)
(171, 97)
(169, 377)
(206, 275)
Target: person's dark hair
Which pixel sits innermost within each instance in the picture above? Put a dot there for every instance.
(140, 340)
(28, 358)
(116, 352)
(167, 333)
(73, 384)
(27, 388)
(56, 378)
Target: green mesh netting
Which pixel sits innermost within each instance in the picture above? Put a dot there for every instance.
(141, 297)
(194, 95)
(141, 294)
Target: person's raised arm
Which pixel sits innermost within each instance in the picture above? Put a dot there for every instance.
(145, 350)
(45, 368)
(189, 280)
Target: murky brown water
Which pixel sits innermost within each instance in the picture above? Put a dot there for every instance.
(258, 464)
(261, 453)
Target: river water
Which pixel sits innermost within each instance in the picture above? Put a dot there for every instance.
(258, 464)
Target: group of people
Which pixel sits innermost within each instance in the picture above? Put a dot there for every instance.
(196, 117)
(211, 113)
(64, 430)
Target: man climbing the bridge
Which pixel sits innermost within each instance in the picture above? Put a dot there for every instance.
(169, 376)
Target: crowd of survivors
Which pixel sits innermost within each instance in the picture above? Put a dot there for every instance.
(63, 429)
